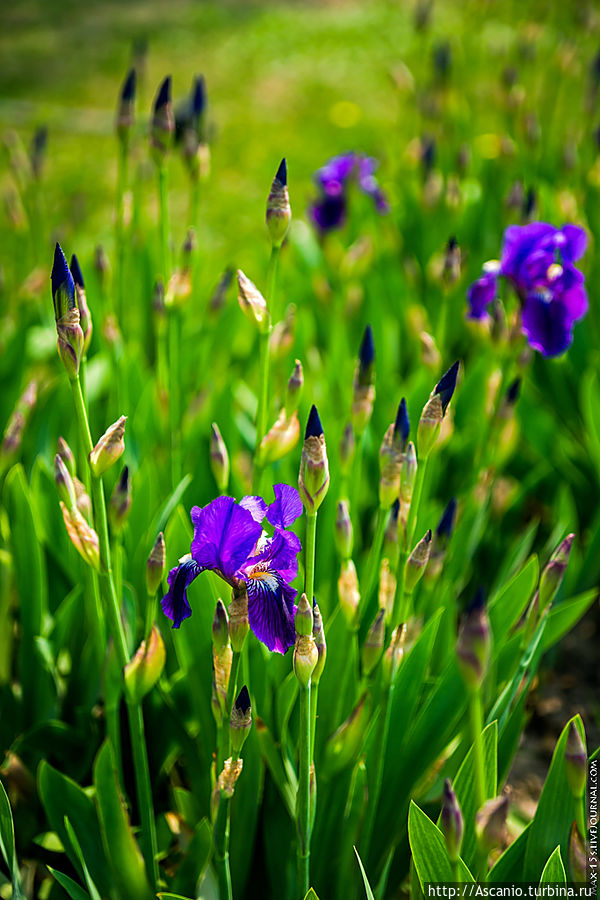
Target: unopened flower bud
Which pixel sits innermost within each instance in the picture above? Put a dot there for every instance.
(125, 109)
(252, 303)
(82, 536)
(321, 645)
(343, 745)
(282, 336)
(348, 593)
(241, 721)
(417, 562)
(220, 626)
(281, 437)
(344, 535)
(490, 823)
(84, 503)
(120, 502)
(66, 314)
(441, 539)
(553, 574)
(408, 476)
(306, 655)
(146, 667)
(279, 211)
(387, 588)
(155, 566)
(294, 389)
(219, 458)
(163, 122)
(363, 388)
(390, 538)
(303, 620)
(232, 769)
(451, 822)
(66, 454)
(373, 647)
(109, 448)
(64, 483)
(85, 318)
(313, 480)
(473, 647)
(347, 448)
(575, 761)
(239, 624)
(390, 465)
(434, 411)
(390, 662)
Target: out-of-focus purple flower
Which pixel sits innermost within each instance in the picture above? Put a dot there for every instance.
(537, 260)
(333, 180)
(229, 540)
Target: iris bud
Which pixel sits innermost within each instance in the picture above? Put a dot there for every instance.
(392, 657)
(109, 448)
(577, 856)
(252, 303)
(416, 563)
(306, 655)
(373, 647)
(294, 389)
(220, 626)
(313, 480)
(155, 566)
(219, 458)
(85, 318)
(66, 314)
(64, 483)
(281, 437)
(279, 212)
(146, 667)
(553, 574)
(125, 109)
(575, 762)
(66, 454)
(347, 448)
(473, 647)
(348, 593)
(82, 536)
(241, 721)
(321, 645)
(239, 624)
(163, 122)
(363, 388)
(120, 502)
(387, 588)
(451, 822)
(344, 744)
(344, 535)
(434, 411)
(390, 465)
(490, 823)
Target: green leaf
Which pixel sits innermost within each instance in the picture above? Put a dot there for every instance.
(465, 788)
(167, 896)
(564, 615)
(7, 843)
(554, 870)
(311, 895)
(60, 797)
(125, 859)
(368, 890)
(551, 824)
(195, 860)
(509, 867)
(92, 889)
(510, 602)
(74, 890)
(429, 850)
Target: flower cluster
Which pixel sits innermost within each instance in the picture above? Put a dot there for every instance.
(229, 540)
(537, 260)
(328, 212)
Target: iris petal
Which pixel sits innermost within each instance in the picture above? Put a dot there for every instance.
(547, 325)
(256, 506)
(175, 603)
(286, 508)
(224, 536)
(271, 610)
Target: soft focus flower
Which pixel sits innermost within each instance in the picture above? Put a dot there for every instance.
(537, 260)
(229, 540)
(333, 179)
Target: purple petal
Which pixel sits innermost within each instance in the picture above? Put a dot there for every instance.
(256, 506)
(569, 290)
(576, 242)
(329, 213)
(547, 324)
(480, 295)
(175, 603)
(279, 554)
(271, 610)
(286, 508)
(224, 535)
(337, 169)
(519, 242)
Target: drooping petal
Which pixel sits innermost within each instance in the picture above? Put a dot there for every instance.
(175, 603)
(279, 554)
(570, 291)
(329, 212)
(481, 293)
(576, 243)
(256, 506)
(271, 610)
(224, 536)
(286, 508)
(547, 324)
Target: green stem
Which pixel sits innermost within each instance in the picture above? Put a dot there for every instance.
(381, 737)
(174, 337)
(356, 475)
(303, 799)
(164, 224)
(107, 586)
(309, 555)
(122, 174)
(374, 557)
(262, 410)
(223, 748)
(400, 602)
(144, 789)
(476, 719)
(221, 832)
(413, 512)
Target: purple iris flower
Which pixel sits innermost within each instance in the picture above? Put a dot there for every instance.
(333, 179)
(537, 260)
(230, 541)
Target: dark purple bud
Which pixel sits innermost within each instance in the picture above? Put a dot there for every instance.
(313, 425)
(242, 702)
(446, 385)
(63, 286)
(198, 96)
(344, 535)
(512, 394)
(428, 153)
(442, 59)
(281, 175)
(129, 86)
(76, 272)
(554, 572)
(451, 822)
(529, 204)
(575, 761)
(163, 122)
(446, 524)
(416, 563)
(366, 356)
(220, 626)
(402, 425)
(474, 642)
(241, 721)
(163, 96)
